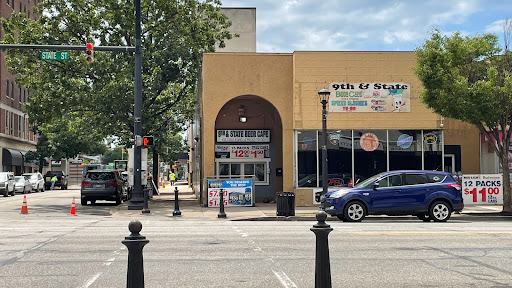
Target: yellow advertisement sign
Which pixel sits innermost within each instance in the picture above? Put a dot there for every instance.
(370, 97)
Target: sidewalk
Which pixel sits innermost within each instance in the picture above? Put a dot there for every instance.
(163, 206)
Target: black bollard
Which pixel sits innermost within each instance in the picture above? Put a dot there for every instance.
(146, 208)
(322, 262)
(176, 211)
(135, 243)
(221, 213)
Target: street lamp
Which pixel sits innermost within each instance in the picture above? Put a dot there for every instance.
(324, 98)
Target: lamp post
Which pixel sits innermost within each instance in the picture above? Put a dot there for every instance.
(324, 98)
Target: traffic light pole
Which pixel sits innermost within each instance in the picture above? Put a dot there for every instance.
(137, 200)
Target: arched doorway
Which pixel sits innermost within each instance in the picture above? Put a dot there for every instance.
(254, 146)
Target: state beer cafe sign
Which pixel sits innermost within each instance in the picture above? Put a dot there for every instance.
(243, 136)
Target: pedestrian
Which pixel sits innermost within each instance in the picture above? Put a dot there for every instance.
(172, 178)
(54, 179)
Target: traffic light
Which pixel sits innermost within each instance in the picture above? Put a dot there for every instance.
(89, 53)
(147, 141)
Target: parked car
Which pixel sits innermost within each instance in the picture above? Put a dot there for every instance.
(62, 180)
(22, 184)
(37, 181)
(429, 195)
(7, 183)
(103, 185)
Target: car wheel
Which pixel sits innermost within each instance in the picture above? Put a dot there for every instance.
(424, 218)
(83, 202)
(440, 211)
(354, 212)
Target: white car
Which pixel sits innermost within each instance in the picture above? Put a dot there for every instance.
(7, 183)
(22, 184)
(37, 181)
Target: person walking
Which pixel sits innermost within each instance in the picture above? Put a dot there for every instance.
(172, 178)
(53, 180)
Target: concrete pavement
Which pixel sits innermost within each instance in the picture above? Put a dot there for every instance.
(163, 206)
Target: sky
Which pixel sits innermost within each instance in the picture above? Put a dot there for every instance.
(284, 26)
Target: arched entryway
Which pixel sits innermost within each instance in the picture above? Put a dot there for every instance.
(253, 146)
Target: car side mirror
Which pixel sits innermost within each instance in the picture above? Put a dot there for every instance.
(376, 185)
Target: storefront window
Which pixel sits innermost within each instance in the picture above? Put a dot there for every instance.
(370, 152)
(404, 149)
(224, 169)
(235, 169)
(306, 158)
(339, 158)
(433, 149)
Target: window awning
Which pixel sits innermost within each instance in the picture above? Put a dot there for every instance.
(11, 157)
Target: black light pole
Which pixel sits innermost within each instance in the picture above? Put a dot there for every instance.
(137, 200)
(324, 98)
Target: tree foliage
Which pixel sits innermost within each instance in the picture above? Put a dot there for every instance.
(468, 78)
(96, 100)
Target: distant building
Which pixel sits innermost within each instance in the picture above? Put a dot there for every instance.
(16, 136)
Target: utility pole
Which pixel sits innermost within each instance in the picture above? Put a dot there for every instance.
(137, 201)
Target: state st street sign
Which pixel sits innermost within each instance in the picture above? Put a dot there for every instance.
(54, 56)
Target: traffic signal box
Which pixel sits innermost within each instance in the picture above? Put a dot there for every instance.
(147, 141)
(89, 53)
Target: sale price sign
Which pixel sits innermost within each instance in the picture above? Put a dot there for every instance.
(478, 189)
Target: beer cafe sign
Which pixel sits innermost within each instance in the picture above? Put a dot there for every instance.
(370, 97)
(243, 136)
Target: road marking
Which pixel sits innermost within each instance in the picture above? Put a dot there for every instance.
(109, 261)
(284, 279)
(425, 233)
(94, 278)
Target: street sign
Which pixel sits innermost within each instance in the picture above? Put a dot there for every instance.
(55, 56)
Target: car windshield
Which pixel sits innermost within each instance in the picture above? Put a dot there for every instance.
(368, 181)
(100, 176)
(19, 179)
(3, 177)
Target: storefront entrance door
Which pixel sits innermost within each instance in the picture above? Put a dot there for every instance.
(449, 163)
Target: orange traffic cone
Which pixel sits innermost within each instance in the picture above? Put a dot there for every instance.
(24, 208)
(72, 211)
(163, 184)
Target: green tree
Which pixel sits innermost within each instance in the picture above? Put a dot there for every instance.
(174, 36)
(112, 154)
(468, 79)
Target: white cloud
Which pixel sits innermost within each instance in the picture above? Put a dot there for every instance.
(286, 26)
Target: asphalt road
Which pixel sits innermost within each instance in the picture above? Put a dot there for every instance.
(48, 248)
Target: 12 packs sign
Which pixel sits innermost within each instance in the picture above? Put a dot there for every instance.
(481, 189)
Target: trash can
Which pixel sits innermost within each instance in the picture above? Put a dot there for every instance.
(285, 204)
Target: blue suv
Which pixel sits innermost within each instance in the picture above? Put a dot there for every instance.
(429, 195)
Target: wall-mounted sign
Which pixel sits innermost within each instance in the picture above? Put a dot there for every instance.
(369, 142)
(242, 151)
(370, 97)
(258, 136)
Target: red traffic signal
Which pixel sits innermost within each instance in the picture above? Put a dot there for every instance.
(147, 141)
(89, 53)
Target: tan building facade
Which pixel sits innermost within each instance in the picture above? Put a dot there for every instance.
(374, 100)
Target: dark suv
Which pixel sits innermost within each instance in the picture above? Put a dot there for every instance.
(429, 195)
(62, 180)
(103, 185)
